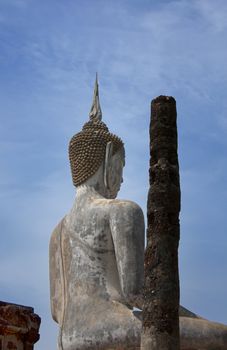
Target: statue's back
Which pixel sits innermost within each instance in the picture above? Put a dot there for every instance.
(93, 312)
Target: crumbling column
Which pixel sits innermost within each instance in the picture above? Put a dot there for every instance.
(19, 327)
(161, 291)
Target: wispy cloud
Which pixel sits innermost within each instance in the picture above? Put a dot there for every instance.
(214, 14)
(49, 53)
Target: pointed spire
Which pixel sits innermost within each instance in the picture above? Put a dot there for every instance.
(95, 112)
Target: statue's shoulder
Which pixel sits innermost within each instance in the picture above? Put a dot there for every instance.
(121, 206)
(126, 204)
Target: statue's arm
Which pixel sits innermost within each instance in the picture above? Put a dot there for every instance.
(127, 228)
(56, 275)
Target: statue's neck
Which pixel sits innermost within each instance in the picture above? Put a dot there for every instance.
(89, 192)
(94, 187)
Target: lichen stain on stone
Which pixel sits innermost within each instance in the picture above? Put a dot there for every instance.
(11, 346)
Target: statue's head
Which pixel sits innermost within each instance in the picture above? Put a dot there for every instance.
(95, 152)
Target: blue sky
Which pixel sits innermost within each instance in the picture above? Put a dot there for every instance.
(49, 53)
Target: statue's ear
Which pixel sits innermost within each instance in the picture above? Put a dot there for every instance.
(108, 156)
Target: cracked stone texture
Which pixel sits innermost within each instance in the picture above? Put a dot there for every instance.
(19, 327)
(160, 325)
(161, 292)
(97, 261)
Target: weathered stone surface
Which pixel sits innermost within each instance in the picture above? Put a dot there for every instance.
(202, 334)
(160, 324)
(96, 265)
(161, 287)
(19, 327)
(96, 271)
(97, 252)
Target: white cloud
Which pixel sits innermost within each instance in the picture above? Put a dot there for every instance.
(176, 48)
(215, 13)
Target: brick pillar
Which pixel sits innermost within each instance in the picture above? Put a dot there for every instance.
(19, 327)
(161, 291)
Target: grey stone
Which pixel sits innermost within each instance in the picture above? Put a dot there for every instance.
(97, 270)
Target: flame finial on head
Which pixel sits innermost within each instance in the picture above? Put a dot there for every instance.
(95, 112)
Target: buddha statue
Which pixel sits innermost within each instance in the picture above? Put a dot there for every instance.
(97, 255)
